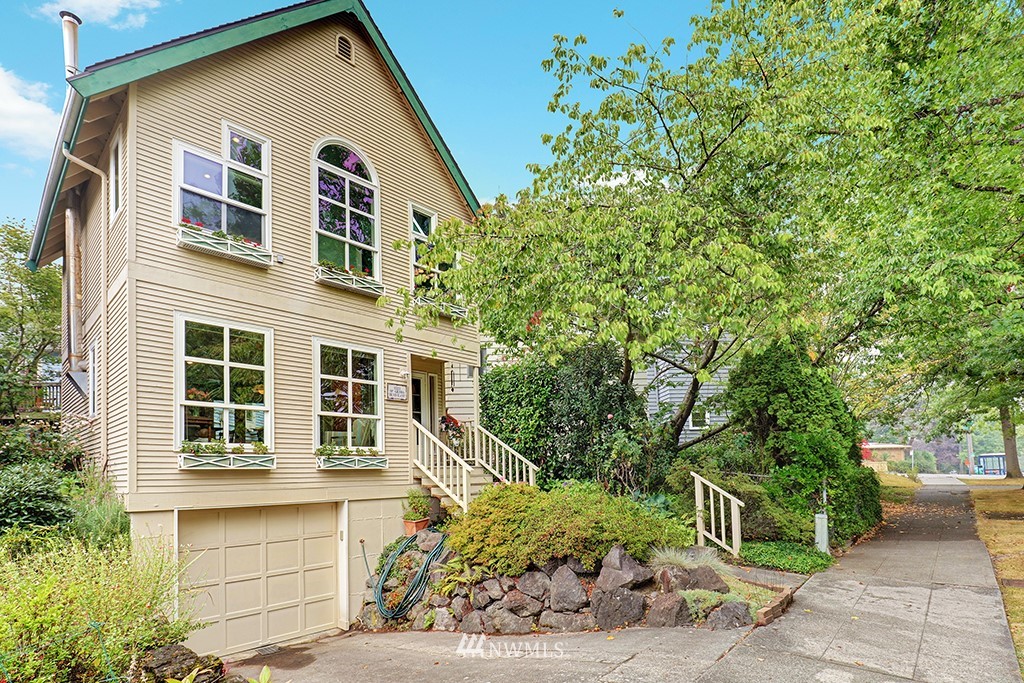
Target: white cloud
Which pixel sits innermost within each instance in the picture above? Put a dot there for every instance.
(117, 14)
(27, 124)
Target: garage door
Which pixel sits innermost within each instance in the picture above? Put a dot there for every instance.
(260, 575)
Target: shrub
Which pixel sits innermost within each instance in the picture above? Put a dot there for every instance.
(31, 494)
(98, 515)
(903, 467)
(510, 527)
(417, 505)
(687, 558)
(49, 598)
(790, 557)
(854, 497)
(558, 416)
(38, 442)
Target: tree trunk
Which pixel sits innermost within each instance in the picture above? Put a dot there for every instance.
(1009, 442)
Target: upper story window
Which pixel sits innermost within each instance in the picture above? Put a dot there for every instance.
(224, 392)
(347, 235)
(423, 225)
(114, 175)
(698, 418)
(229, 194)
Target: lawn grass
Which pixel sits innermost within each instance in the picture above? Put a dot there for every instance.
(1004, 539)
(897, 489)
(992, 482)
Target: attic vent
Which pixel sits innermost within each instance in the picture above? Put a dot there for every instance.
(345, 49)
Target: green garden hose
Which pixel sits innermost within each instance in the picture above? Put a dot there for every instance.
(416, 588)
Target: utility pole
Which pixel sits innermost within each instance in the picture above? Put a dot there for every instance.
(969, 427)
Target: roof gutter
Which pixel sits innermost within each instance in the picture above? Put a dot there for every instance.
(71, 121)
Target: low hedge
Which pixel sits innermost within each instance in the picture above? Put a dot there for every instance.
(509, 527)
(789, 557)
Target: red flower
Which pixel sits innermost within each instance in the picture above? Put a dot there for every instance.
(185, 220)
(199, 223)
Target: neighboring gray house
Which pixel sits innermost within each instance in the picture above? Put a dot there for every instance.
(665, 387)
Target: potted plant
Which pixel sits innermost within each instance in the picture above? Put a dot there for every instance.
(417, 511)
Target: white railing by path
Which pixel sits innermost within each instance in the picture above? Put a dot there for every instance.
(713, 500)
(497, 457)
(442, 466)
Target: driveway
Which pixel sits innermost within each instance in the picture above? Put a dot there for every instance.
(917, 603)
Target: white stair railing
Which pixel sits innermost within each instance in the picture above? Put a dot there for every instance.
(711, 499)
(442, 466)
(497, 457)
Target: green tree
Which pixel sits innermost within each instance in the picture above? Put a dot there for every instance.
(30, 314)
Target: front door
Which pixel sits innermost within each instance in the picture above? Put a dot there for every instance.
(424, 400)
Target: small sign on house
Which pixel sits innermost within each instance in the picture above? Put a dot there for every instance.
(398, 392)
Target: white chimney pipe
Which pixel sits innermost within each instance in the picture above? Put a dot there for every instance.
(70, 24)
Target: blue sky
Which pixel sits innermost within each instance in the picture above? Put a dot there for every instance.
(474, 63)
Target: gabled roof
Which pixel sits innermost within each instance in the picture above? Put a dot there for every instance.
(118, 72)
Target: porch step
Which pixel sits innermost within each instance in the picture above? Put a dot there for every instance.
(478, 479)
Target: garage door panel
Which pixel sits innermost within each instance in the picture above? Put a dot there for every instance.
(320, 614)
(240, 596)
(283, 555)
(318, 550)
(202, 566)
(318, 582)
(267, 574)
(243, 560)
(318, 519)
(243, 524)
(283, 589)
(208, 602)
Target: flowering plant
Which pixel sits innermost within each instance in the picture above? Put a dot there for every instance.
(451, 428)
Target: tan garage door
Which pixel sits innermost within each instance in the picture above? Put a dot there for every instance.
(260, 575)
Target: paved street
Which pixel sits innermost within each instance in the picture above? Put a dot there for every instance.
(917, 603)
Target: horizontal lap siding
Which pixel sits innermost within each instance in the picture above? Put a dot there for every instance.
(293, 89)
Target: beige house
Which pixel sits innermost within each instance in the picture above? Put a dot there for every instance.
(226, 205)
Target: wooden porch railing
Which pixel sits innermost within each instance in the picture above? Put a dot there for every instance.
(442, 466)
(497, 457)
(711, 499)
(44, 397)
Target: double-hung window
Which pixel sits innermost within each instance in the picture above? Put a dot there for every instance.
(423, 225)
(348, 400)
(227, 193)
(225, 388)
(347, 236)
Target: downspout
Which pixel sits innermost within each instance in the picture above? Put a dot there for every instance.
(101, 399)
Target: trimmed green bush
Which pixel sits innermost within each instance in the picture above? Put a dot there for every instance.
(49, 598)
(509, 527)
(32, 494)
(789, 557)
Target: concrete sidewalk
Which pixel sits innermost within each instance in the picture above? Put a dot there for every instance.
(917, 603)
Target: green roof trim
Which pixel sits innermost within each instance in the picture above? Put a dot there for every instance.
(122, 71)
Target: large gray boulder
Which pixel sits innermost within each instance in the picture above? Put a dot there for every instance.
(476, 622)
(562, 622)
(480, 597)
(705, 578)
(506, 622)
(534, 584)
(669, 609)
(371, 619)
(427, 540)
(617, 607)
(493, 588)
(619, 570)
(567, 592)
(461, 606)
(177, 661)
(521, 604)
(444, 621)
(730, 615)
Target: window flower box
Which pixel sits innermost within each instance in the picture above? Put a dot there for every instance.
(337, 458)
(195, 237)
(215, 456)
(342, 279)
(446, 309)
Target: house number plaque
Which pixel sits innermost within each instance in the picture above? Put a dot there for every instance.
(398, 392)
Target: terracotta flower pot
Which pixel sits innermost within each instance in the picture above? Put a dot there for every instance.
(414, 525)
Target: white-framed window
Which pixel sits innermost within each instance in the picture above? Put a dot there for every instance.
(114, 177)
(94, 374)
(227, 193)
(346, 210)
(422, 224)
(698, 418)
(349, 405)
(224, 381)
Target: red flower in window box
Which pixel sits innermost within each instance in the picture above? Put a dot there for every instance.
(199, 223)
(185, 220)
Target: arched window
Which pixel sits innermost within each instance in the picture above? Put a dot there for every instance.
(347, 238)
